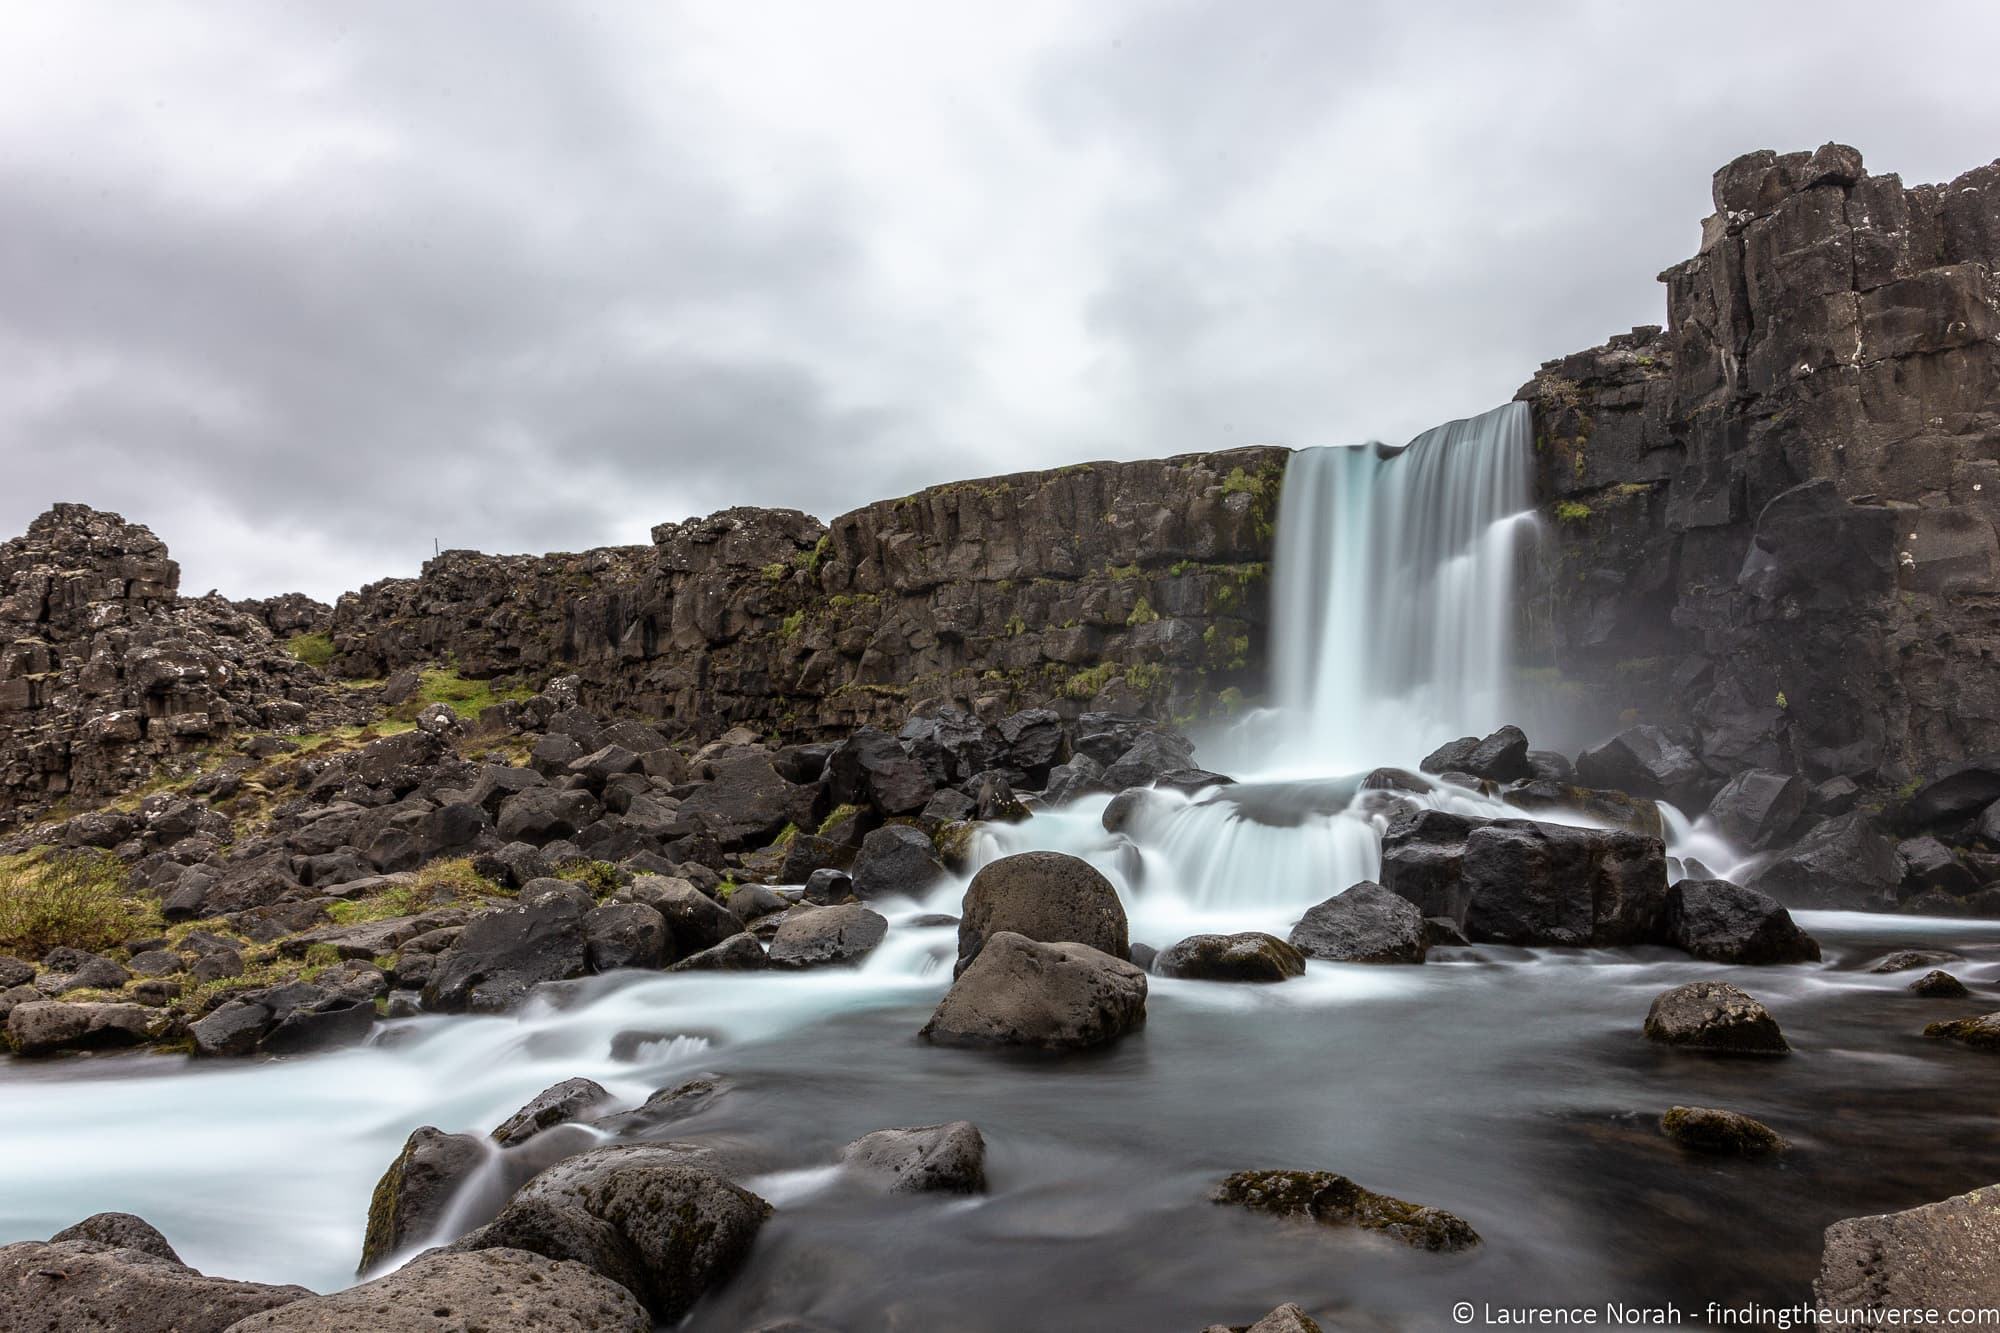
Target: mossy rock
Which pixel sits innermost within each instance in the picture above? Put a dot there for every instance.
(1334, 1200)
(1981, 1033)
(1722, 1133)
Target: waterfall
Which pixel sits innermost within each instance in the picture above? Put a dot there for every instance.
(1393, 606)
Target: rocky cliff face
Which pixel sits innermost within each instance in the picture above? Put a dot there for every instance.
(1132, 586)
(1774, 522)
(106, 673)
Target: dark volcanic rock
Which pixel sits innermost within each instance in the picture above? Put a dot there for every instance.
(1020, 992)
(1248, 956)
(1714, 1016)
(739, 953)
(1981, 1033)
(1046, 896)
(44, 1027)
(1365, 924)
(695, 920)
(638, 1215)
(1844, 863)
(1942, 1256)
(1725, 923)
(414, 1194)
(823, 936)
(121, 1231)
(895, 860)
(1758, 807)
(489, 1290)
(1333, 1200)
(1938, 985)
(568, 1100)
(84, 1286)
(949, 1159)
(872, 768)
(501, 955)
(1643, 761)
(1721, 1133)
(1959, 792)
(624, 935)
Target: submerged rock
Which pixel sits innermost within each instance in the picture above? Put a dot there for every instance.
(1727, 923)
(1714, 1016)
(87, 1286)
(1334, 1200)
(1906, 960)
(1046, 896)
(1364, 924)
(949, 1158)
(739, 953)
(1723, 1133)
(568, 1100)
(1941, 1256)
(1981, 1033)
(1287, 1318)
(1248, 956)
(490, 1290)
(413, 1195)
(824, 936)
(1021, 992)
(1937, 984)
(636, 1214)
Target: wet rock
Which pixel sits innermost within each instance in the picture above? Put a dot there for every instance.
(1845, 863)
(1905, 960)
(412, 1197)
(665, 1107)
(1080, 776)
(1726, 923)
(1938, 985)
(827, 887)
(1501, 757)
(871, 768)
(1451, 757)
(1148, 758)
(947, 1159)
(1248, 956)
(1613, 808)
(1334, 1200)
(1941, 1256)
(1929, 864)
(636, 1214)
(539, 815)
(624, 935)
(490, 1290)
(1046, 896)
(1021, 992)
(739, 953)
(44, 1027)
(1959, 792)
(1981, 1033)
(751, 901)
(747, 802)
(1423, 860)
(234, 1027)
(1721, 1133)
(1143, 955)
(1714, 1016)
(1645, 761)
(1757, 808)
(695, 920)
(556, 1105)
(85, 1286)
(121, 1231)
(501, 955)
(1363, 924)
(895, 860)
(824, 936)
(1287, 1318)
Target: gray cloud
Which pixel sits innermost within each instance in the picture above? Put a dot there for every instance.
(304, 287)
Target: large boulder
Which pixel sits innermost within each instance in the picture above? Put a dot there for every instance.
(542, 814)
(896, 860)
(43, 1027)
(824, 936)
(746, 801)
(1960, 792)
(1423, 860)
(1727, 923)
(490, 1290)
(946, 1159)
(501, 955)
(1846, 862)
(1757, 808)
(1334, 1200)
(1046, 896)
(1720, 1133)
(1501, 757)
(624, 935)
(121, 1231)
(1714, 1016)
(1645, 761)
(638, 1215)
(694, 920)
(1022, 992)
(1364, 924)
(1941, 1256)
(871, 768)
(1248, 956)
(86, 1286)
(412, 1197)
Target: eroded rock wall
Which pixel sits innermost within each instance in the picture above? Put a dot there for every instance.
(1774, 522)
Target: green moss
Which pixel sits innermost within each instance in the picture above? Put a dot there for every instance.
(839, 814)
(600, 877)
(314, 649)
(467, 698)
(1016, 626)
(1122, 571)
(1086, 684)
(1142, 614)
(792, 625)
(1571, 511)
(79, 900)
(776, 571)
(1145, 676)
(1239, 482)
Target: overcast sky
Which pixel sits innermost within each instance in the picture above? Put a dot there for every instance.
(305, 286)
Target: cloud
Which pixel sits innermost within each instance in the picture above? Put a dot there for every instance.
(306, 287)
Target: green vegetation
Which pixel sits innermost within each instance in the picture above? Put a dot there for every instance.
(438, 884)
(53, 899)
(1239, 482)
(1571, 511)
(467, 698)
(1086, 684)
(315, 649)
(1142, 614)
(838, 814)
(792, 625)
(600, 877)
(776, 571)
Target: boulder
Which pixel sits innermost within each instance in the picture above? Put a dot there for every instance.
(694, 920)
(490, 1290)
(86, 1286)
(1287, 1318)
(1941, 1256)
(1022, 992)
(1844, 863)
(1046, 896)
(822, 936)
(1423, 860)
(1929, 864)
(739, 953)
(1363, 924)
(871, 768)
(945, 1159)
(827, 887)
(1644, 761)
(1938, 985)
(556, 1105)
(1726, 923)
(1959, 792)
(1248, 956)
(1334, 1200)
(1517, 881)
(746, 802)
(43, 1027)
(1981, 1033)
(895, 860)
(1501, 757)
(1451, 757)
(537, 815)
(624, 935)
(503, 954)
(1714, 1016)
(1907, 960)
(121, 1231)
(1757, 808)
(638, 1215)
(1614, 809)
(412, 1197)
(1719, 1133)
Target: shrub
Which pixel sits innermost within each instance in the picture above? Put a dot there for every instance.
(315, 649)
(77, 900)
(600, 877)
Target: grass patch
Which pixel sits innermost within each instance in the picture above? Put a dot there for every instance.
(80, 900)
(839, 813)
(467, 698)
(600, 877)
(314, 649)
(1571, 511)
